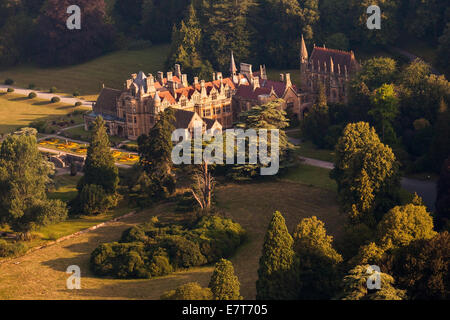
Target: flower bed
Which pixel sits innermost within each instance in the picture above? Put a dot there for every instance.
(81, 149)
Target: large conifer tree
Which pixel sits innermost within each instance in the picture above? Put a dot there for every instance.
(275, 273)
(224, 284)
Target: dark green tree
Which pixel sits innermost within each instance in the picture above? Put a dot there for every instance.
(267, 116)
(440, 146)
(24, 174)
(188, 291)
(443, 198)
(422, 268)
(224, 284)
(186, 48)
(155, 151)
(97, 189)
(99, 167)
(317, 265)
(275, 273)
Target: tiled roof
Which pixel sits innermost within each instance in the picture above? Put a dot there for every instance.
(106, 102)
(279, 87)
(342, 58)
(183, 118)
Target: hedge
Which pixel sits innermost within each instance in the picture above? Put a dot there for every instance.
(154, 249)
(32, 95)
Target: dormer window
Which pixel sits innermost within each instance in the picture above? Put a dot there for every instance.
(214, 96)
(183, 103)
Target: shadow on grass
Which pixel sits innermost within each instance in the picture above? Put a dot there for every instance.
(42, 103)
(19, 99)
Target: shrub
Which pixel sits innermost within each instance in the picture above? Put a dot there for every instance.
(55, 99)
(188, 291)
(52, 90)
(9, 82)
(32, 95)
(12, 249)
(40, 125)
(183, 253)
(167, 247)
(77, 104)
(10, 90)
(76, 94)
(31, 86)
(93, 200)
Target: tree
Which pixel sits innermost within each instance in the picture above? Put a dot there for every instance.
(268, 116)
(97, 188)
(384, 111)
(99, 167)
(422, 267)
(203, 187)
(317, 266)
(186, 48)
(443, 198)
(224, 284)
(443, 50)
(440, 145)
(389, 22)
(366, 173)
(355, 286)
(317, 122)
(403, 224)
(275, 278)
(228, 30)
(188, 291)
(24, 175)
(155, 151)
(377, 71)
(56, 45)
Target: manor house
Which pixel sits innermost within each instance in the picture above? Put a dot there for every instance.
(133, 111)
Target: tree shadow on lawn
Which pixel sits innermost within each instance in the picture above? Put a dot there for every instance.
(42, 103)
(19, 99)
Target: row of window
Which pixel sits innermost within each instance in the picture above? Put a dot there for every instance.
(217, 110)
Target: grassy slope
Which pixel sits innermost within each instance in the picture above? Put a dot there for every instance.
(112, 70)
(18, 111)
(253, 212)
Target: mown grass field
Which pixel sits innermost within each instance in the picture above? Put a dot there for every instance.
(18, 111)
(43, 276)
(87, 78)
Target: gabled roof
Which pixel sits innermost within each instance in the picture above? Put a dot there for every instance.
(106, 102)
(342, 58)
(183, 118)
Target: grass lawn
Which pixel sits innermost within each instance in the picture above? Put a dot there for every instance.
(18, 111)
(87, 78)
(308, 150)
(253, 211)
(311, 176)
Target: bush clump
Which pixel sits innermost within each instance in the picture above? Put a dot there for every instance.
(10, 90)
(32, 95)
(9, 82)
(55, 99)
(77, 104)
(52, 90)
(12, 249)
(155, 249)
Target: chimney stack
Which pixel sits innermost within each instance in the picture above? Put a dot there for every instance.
(184, 80)
(178, 70)
(214, 76)
(169, 76)
(281, 77)
(195, 80)
(219, 76)
(288, 80)
(255, 83)
(160, 77)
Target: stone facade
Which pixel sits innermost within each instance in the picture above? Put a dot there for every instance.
(134, 110)
(333, 68)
